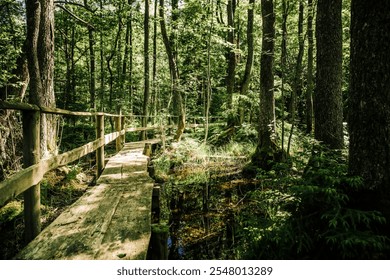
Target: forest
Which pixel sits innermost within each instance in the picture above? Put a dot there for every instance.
(290, 154)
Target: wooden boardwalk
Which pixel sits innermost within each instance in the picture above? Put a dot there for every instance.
(110, 221)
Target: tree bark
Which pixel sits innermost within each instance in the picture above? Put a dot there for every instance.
(369, 101)
(92, 75)
(92, 79)
(283, 64)
(145, 108)
(249, 61)
(328, 97)
(231, 62)
(297, 84)
(40, 55)
(310, 59)
(154, 63)
(266, 148)
(178, 107)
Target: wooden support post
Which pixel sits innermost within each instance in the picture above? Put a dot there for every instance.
(162, 136)
(144, 123)
(118, 128)
(158, 246)
(147, 150)
(156, 210)
(123, 137)
(100, 151)
(31, 156)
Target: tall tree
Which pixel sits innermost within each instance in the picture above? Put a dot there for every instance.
(231, 60)
(40, 55)
(249, 61)
(310, 59)
(328, 108)
(283, 62)
(297, 83)
(266, 148)
(178, 106)
(369, 101)
(145, 110)
(154, 64)
(92, 63)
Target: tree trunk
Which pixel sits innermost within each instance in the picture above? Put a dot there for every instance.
(249, 61)
(297, 85)
(369, 102)
(145, 110)
(266, 148)
(310, 59)
(102, 83)
(131, 51)
(40, 43)
(154, 63)
(178, 107)
(92, 72)
(328, 97)
(92, 83)
(231, 62)
(109, 59)
(126, 55)
(283, 64)
(207, 97)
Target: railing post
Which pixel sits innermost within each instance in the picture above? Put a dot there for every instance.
(100, 151)
(118, 128)
(31, 156)
(123, 137)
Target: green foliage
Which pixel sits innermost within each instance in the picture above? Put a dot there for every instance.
(10, 211)
(76, 133)
(178, 157)
(311, 216)
(11, 39)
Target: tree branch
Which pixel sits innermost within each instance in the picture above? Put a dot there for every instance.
(87, 24)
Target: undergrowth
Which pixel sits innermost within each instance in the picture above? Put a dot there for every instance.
(300, 209)
(59, 188)
(308, 215)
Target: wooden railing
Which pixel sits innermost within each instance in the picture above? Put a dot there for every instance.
(27, 180)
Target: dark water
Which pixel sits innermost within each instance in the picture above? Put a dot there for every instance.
(202, 223)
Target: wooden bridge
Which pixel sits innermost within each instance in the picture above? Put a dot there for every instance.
(112, 220)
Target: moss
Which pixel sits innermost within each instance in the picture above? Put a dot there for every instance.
(10, 211)
(160, 228)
